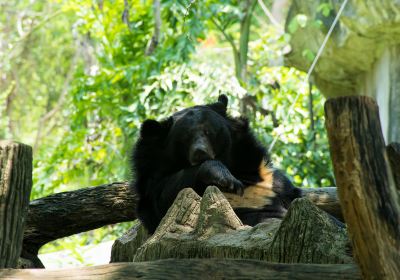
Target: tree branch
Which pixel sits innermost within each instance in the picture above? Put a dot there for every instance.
(155, 39)
(228, 37)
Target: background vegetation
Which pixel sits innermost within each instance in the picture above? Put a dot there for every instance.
(79, 77)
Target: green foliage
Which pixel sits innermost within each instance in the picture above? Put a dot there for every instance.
(79, 74)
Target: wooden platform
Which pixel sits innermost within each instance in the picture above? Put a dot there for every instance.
(192, 269)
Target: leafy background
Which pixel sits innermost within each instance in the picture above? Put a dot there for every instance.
(77, 80)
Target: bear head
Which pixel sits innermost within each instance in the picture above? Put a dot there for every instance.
(193, 135)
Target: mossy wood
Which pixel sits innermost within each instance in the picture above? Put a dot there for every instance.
(15, 189)
(366, 188)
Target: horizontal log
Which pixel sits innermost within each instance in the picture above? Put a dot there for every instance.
(192, 269)
(67, 213)
(326, 199)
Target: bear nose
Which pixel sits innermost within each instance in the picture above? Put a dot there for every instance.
(199, 155)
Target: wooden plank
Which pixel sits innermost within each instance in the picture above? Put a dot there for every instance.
(15, 189)
(192, 269)
(366, 190)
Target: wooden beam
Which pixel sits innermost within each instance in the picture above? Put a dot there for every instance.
(15, 189)
(366, 190)
(192, 269)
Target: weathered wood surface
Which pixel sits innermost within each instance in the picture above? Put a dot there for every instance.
(64, 214)
(366, 189)
(192, 269)
(207, 227)
(326, 199)
(15, 189)
(125, 247)
(72, 212)
(393, 152)
(89, 208)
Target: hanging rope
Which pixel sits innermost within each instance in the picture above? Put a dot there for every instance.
(311, 69)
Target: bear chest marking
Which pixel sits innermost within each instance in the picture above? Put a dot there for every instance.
(257, 195)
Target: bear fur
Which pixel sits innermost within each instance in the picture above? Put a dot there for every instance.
(201, 146)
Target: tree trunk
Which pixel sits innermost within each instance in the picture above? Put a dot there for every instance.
(155, 39)
(247, 9)
(193, 269)
(365, 185)
(15, 189)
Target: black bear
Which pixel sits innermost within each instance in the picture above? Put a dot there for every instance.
(202, 146)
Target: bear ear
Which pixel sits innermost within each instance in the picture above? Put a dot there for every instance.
(221, 105)
(153, 128)
(223, 99)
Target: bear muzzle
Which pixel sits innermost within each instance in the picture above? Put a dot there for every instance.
(200, 153)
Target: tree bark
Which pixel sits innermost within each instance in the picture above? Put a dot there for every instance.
(365, 185)
(15, 189)
(192, 269)
(64, 214)
(247, 8)
(155, 39)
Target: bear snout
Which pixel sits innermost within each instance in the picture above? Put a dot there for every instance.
(200, 153)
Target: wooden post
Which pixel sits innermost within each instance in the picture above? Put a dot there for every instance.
(393, 152)
(366, 188)
(15, 189)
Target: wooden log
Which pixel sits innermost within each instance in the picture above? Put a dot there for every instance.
(125, 247)
(89, 208)
(208, 227)
(64, 214)
(192, 269)
(393, 152)
(326, 199)
(366, 189)
(67, 213)
(15, 189)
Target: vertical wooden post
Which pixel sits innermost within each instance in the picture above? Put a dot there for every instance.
(366, 188)
(15, 189)
(393, 152)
